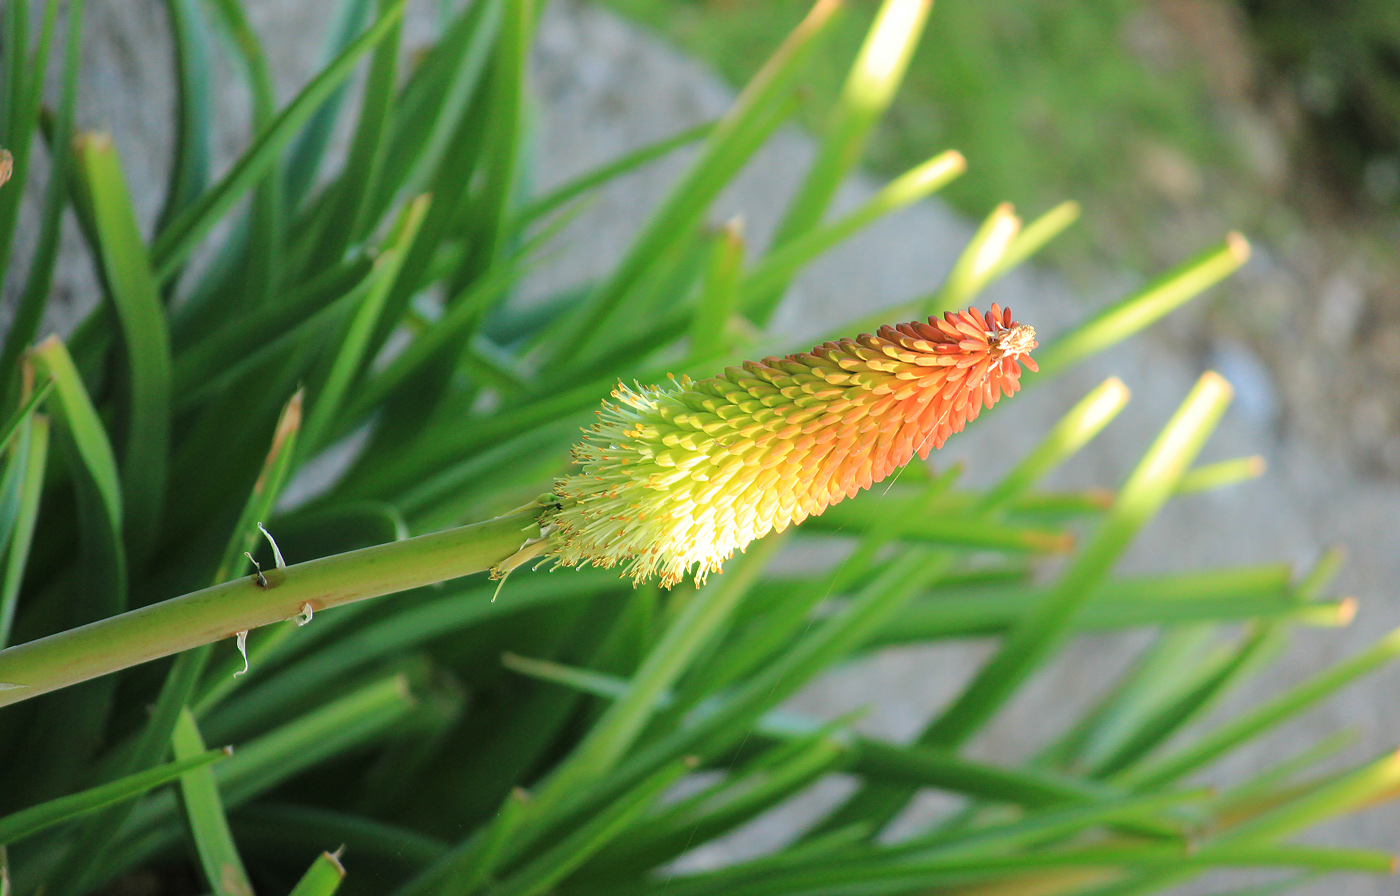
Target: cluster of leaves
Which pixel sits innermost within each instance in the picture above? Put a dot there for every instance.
(353, 301)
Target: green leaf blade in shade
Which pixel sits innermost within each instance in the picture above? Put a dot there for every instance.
(140, 311)
(870, 85)
(350, 218)
(204, 811)
(353, 352)
(572, 849)
(220, 357)
(12, 425)
(429, 113)
(29, 309)
(175, 243)
(27, 822)
(260, 262)
(190, 148)
(34, 435)
(20, 96)
(70, 405)
(364, 716)
(322, 878)
(1143, 308)
(305, 155)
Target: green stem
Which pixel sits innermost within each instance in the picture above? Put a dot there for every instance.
(202, 617)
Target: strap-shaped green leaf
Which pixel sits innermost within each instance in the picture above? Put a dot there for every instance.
(141, 313)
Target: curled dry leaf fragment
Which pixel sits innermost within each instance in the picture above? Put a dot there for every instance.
(682, 474)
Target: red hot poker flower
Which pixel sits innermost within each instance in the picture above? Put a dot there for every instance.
(682, 474)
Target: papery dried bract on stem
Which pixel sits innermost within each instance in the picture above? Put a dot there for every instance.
(680, 475)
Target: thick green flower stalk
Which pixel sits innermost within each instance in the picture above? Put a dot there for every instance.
(680, 475)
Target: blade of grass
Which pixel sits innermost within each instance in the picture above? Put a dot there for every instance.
(1073, 431)
(364, 716)
(261, 263)
(1033, 237)
(140, 312)
(352, 351)
(29, 309)
(99, 484)
(1026, 242)
(62, 740)
(719, 294)
(613, 735)
(35, 438)
(745, 794)
(21, 103)
(12, 425)
(191, 57)
(1221, 474)
(592, 179)
(204, 810)
(972, 616)
(430, 110)
(1259, 647)
(266, 825)
(1245, 726)
(768, 278)
(27, 822)
(979, 262)
(490, 212)
(738, 134)
(222, 357)
(1136, 312)
(556, 862)
(1034, 637)
(717, 728)
(473, 863)
(174, 244)
(870, 85)
(359, 179)
(1146, 490)
(961, 532)
(322, 878)
(304, 158)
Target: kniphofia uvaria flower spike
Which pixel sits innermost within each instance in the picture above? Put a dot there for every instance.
(680, 475)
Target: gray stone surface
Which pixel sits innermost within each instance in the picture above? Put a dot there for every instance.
(605, 87)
